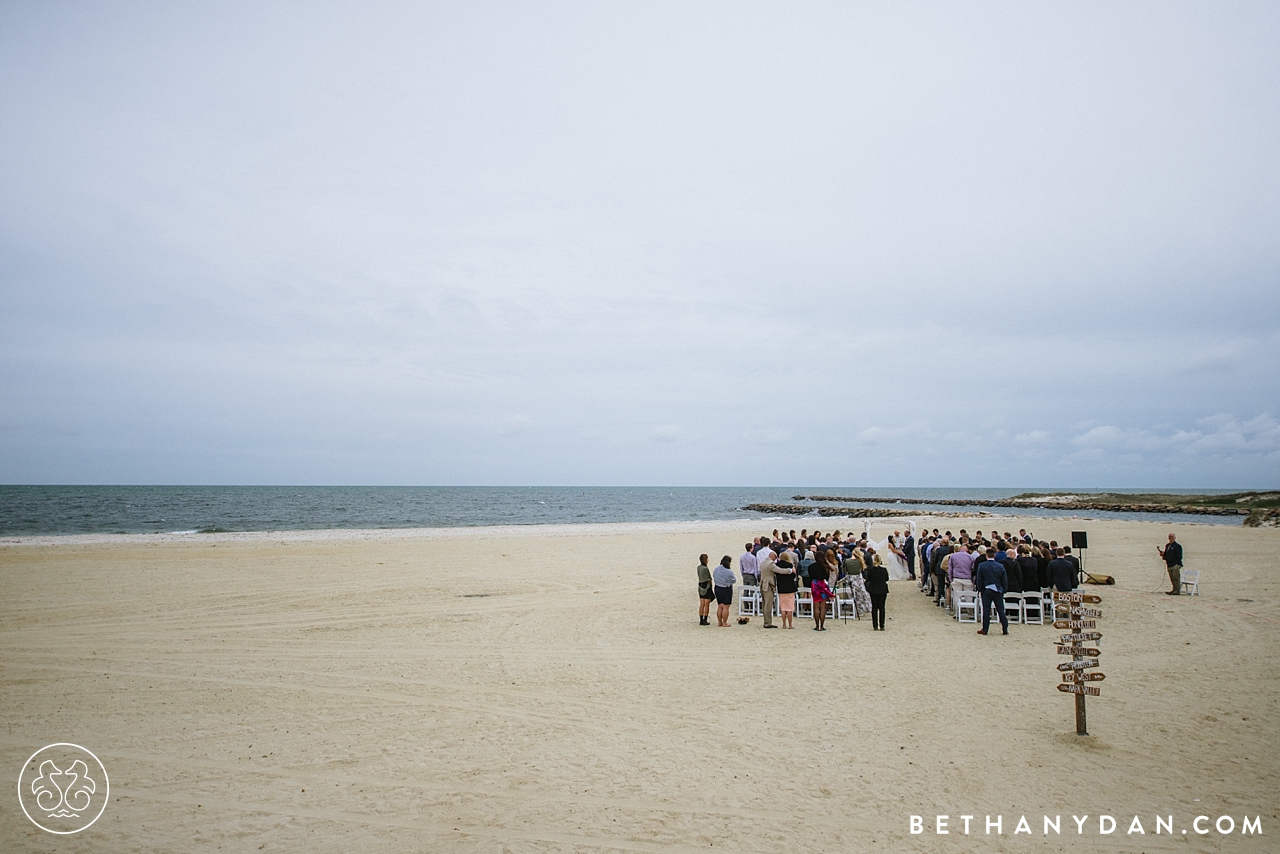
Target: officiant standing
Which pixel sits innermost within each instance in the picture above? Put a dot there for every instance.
(1172, 555)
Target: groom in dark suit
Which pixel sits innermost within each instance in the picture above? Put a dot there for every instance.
(909, 549)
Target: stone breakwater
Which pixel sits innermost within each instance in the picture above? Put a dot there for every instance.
(850, 512)
(1065, 506)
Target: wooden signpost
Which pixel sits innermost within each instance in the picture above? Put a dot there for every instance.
(1077, 672)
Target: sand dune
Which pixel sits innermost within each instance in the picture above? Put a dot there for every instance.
(549, 689)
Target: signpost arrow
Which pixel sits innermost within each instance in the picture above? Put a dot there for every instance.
(1083, 676)
(1087, 690)
(1078, 650)
(1081, 611)
(1074, 624)
(1077, 597)
(1078, 665)
(1082, 636)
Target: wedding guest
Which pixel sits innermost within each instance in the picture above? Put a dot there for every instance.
(706, 591)
(765, 549)
(1075, 561)
(806, 564)
(876, 578)
(1030, 570)
(819, 574)
(1172, 555)
(935, 562)
(992, 582)
(856, 584)
(723, 579)
(1012, 568)
(960, 570)
(1043, 557)
(786, 581)
(749, 566)
(769, 587)
(1062, 572)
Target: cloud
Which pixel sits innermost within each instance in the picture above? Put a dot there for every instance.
(665, 433)
(1214, 436)
(1032, 437)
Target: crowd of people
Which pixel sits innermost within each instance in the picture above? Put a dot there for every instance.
(780, 564)
(991, 564)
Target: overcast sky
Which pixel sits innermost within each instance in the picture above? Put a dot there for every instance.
(641, 243)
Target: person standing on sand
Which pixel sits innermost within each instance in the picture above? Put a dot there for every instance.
(769, 588)
(992, 581)
(785, 575)
(876, 577)
(706, 591)
(909, 554)
(1172, 555)
(723, 578)
(819, 573)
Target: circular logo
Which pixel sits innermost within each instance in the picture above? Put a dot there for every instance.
(63, 788)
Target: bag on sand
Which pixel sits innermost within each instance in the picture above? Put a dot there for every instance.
(1090, 578)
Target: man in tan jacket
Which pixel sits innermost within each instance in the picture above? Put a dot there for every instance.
(768, 587)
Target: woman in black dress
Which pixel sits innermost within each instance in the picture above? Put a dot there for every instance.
(706, 592)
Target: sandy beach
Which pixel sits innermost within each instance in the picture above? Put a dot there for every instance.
(550, 689)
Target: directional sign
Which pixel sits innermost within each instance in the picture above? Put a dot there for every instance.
(1087, 690)
(1077, 597)
(1078, 665)
(1074, 624)
(1083, 676)
(1082, 636)
(1078, 650)
(1079, 611)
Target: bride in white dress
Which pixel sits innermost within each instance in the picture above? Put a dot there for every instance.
(890, 551)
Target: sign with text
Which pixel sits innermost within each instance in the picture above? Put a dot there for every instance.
(1084, 658)
(1088, 598)
(1078, 650)
(1083, 676)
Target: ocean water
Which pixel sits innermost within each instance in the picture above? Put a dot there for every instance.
(54, 510)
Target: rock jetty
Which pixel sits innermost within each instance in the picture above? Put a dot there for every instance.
(1114, 507)
(850, 512)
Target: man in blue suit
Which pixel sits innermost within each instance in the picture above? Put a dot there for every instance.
(991, 580)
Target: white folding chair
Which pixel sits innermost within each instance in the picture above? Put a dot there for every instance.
(804, 603)
(967, 601)
(1032, 609)
(1191, 579)
(846, 607)
(1013, 607)
(749, 602)
(1046, 602)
